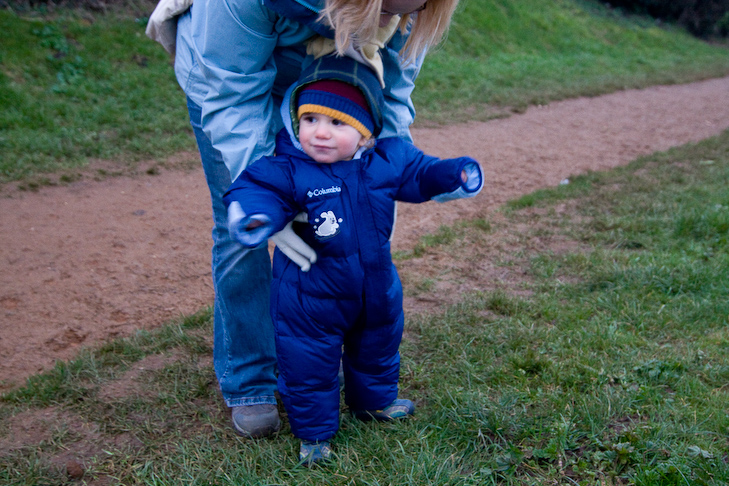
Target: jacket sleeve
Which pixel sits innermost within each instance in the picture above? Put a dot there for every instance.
(264, 193)
(399, 77)
(233, 43)
(425, 177)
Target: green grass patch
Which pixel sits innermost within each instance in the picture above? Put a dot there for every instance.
(614, 371)
(74, 90)
(445, 235)
(516, 54)
(70, 381)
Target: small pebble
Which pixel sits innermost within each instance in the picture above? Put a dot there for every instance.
(74, 469)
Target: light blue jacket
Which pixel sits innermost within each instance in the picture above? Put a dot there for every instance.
(236, 58)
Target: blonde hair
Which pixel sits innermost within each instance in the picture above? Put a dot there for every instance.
(355, 21)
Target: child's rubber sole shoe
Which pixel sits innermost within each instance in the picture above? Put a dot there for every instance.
(314, 452)
(256, 421)
(399, 409)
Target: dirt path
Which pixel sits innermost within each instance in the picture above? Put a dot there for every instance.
(94, 260)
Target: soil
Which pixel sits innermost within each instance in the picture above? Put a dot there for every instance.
(98, 259)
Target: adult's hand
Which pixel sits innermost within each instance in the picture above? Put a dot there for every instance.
(293, 246)
(162, 24)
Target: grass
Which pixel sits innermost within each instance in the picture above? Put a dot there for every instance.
(75, 91)
(77, 88)
(502, 53)
(607, 364)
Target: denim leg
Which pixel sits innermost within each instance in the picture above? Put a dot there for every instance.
(244, 353)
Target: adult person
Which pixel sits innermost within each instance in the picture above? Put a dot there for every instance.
(234, 60)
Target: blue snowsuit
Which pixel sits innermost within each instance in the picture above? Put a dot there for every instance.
(351, 298)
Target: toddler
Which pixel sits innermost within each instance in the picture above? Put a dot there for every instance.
(346, 303)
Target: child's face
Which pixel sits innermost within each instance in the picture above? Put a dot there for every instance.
(328, 140)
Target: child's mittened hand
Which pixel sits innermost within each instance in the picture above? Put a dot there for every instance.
(235, 216)
(471, 177)
(249, 231)
(471, 183)
(254, 223)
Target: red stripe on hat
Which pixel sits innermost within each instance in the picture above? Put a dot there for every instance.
(340, 88)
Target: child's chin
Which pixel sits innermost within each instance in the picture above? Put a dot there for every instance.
(326, 158)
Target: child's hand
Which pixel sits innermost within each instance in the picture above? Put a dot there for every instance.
(249, 231)
(472, 177)
(255, 223)
(471, 183)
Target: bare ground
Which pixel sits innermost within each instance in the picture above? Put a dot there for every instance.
(93, 260)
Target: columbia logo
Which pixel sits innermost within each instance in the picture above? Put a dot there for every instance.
(324, 191)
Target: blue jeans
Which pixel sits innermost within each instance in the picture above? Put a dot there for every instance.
(244, 354)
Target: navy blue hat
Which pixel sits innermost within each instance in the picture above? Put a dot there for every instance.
(338, 100)
(342, 88)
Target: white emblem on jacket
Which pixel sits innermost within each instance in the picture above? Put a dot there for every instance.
(324, 191)
(327, 224)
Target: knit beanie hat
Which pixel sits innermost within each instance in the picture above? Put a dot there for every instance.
(339, 100)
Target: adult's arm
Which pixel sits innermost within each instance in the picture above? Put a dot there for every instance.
(234, 41)
(399, 84)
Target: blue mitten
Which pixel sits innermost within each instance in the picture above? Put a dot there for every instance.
(469, 188)
(249, 231)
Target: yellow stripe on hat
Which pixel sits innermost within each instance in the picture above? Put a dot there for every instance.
(337, 115)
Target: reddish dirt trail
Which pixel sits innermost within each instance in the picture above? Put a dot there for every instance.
(93, 260)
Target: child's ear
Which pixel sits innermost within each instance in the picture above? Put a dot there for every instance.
(366, 142)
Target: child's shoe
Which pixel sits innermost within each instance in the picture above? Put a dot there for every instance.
(311, 452)
(400, 408)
